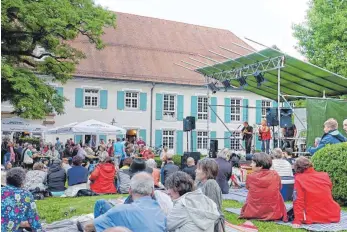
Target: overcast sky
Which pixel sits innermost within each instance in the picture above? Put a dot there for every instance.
(266, 21)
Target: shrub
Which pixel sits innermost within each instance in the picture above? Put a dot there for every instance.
(333, 160)
(34, 141)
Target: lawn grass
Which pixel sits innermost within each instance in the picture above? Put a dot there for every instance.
(55, 208)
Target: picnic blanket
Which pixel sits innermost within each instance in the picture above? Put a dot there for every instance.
(239, 195)
(342, 225)
(68, 224)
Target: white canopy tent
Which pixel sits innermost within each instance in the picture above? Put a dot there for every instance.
(17, 124)
(88, 127)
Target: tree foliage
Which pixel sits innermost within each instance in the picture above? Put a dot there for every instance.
(35, 37)
(323, 36)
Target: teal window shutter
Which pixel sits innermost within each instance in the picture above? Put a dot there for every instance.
(227, 141)
(143, 135)
(194, 107)
(245, 110)
(159, 106)
(214, 107)
(78, 97)
(257, 143)
(158, 138)
(274, 104)
(143, 101)
(103, 99)
(104, 137)
(227, 110)
(258, 111)
(194, 141)
(119, 136)
(213, 134)
(120, 100)
(60, 91)
(286, 105)
(179, 142)
(78, 138)
(180, 107)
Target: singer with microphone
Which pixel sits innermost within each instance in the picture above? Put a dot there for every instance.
(247, 134)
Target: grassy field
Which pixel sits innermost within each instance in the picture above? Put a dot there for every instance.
(53, 209)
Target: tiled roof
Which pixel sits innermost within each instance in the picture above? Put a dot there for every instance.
(145, 49)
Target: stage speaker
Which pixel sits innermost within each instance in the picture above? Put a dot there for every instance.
(186, 125)
(286, 118)
(271, 117)
(194, 155)
(213, 145)
(192, 121)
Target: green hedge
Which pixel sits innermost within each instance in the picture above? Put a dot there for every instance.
(34, 141)
(333, 160)
(176, 160)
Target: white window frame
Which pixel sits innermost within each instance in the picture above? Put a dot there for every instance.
(92, 95)
(131, 98)
(264, 105)
(166, 135)
(236, 117)
(201, 140)
(235, 141)
(169, 113)
(202, 115)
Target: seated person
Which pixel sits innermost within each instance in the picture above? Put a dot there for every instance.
(313, 201)
(53, 153)
(280, 165)
(89, 151)
(144, 214)
(191, 167)
(18, 208)
(36, 178)
(56, 178)
(331, 136)
(66, 164)
(192, 210)
(345, 125)
(169, 168)
(224, 169)
(77, 174)
(148, 154)
(139, 165)
(103, 177)
(80, 151)
(155, 173)
(264, 200)
(3, 173)
(123, 177)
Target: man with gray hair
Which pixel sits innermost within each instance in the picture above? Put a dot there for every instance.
(331, 136)
(144, 214)
(191, 167)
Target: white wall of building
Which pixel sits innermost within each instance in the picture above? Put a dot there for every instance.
(138, 119)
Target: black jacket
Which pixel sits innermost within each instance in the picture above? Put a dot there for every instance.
(56, 178)
(169, 168)
(190, 170)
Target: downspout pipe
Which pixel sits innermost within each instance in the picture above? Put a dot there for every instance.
(151, 117)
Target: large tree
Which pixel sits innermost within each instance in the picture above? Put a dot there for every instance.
(323, 36)
(35, 37)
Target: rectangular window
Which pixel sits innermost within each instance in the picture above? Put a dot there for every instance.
(264, 106)
(169, 108)
(91, 97)
(202, 137)
(235, 109)
(168, 139)
(131, 100)
(202, 108)
(235, 141)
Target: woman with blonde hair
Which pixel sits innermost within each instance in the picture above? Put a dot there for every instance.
(265, 135)
(224, 169)
(36, 178)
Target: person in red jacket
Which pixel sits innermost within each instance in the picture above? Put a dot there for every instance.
(313, 201)
(264, 200)
(102, 178)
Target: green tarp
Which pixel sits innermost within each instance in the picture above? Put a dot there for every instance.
(318, 111)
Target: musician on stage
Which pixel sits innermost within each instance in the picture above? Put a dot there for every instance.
(247, 134)
(289, 133)
(265, 136)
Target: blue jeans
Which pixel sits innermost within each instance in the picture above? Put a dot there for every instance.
(7, 158)
(265, 146)
(101, 207)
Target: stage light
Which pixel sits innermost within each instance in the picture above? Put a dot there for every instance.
(226, 84)
(259, 77)
(242, 81)
(212, 86)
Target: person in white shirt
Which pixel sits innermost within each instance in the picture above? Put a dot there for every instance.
(280, 165)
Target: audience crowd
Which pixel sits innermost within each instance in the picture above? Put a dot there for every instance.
(165, 198)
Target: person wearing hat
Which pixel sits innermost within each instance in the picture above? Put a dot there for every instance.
(102, 178)
(56, 178)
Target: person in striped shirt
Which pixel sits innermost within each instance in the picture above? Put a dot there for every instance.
(279, 164)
